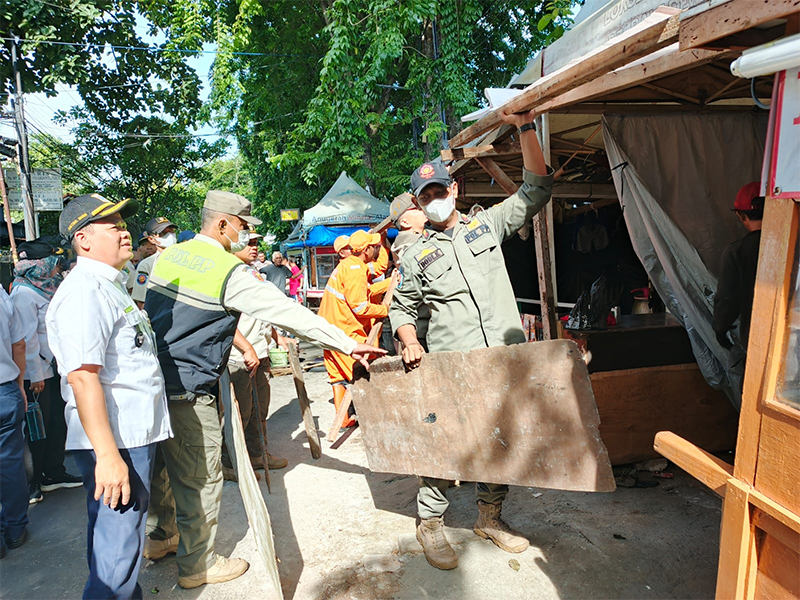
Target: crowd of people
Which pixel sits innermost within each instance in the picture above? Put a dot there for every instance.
(116, 356)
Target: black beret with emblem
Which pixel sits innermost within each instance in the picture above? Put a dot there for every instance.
(37, 249)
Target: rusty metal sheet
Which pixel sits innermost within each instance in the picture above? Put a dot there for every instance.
(523, 415)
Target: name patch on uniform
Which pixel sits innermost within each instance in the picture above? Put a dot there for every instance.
(428, 256)
(141, 279)
(477, 232)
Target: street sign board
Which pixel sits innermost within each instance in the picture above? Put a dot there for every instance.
(290, 214)
(47, 191)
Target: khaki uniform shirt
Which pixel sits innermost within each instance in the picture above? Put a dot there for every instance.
(143, 270)
(258, 333)
(461, 275)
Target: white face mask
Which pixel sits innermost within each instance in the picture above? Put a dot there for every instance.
(166, 240)
(241, 243)
(439, 210)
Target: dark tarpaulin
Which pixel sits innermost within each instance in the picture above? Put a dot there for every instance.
(677, 177)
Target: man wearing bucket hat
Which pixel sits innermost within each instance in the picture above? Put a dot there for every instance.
(161, 234)
(249, 365)
(346, 304)
(410, 222)
(116, 405)
(456, 269)
(737, 282)
(196, 293)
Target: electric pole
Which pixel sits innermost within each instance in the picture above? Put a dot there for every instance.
(24, 164)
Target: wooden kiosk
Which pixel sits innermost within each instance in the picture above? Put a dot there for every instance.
(682, 64)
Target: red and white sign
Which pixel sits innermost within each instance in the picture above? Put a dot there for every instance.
(784, 153)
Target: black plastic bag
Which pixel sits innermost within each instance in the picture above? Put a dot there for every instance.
(592, 308)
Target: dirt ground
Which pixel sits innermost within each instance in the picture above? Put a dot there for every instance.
(344, 532)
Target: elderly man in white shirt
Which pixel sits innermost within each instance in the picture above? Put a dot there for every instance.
(112, 383)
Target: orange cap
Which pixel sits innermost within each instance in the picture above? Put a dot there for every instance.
(340, 242)
(361, 239)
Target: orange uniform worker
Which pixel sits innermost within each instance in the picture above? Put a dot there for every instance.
(346, 305)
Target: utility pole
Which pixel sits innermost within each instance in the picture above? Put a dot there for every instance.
(24, 164)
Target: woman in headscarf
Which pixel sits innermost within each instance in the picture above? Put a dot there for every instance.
(36, 277)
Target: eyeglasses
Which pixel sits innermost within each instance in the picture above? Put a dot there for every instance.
(253, 243)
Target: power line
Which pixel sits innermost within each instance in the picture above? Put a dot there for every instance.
(150, 48)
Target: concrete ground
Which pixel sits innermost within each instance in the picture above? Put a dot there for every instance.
(343, 532)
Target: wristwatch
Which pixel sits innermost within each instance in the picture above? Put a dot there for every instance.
(527, 126)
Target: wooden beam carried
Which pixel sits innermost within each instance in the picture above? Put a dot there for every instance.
(594, 191)
(496, 173)
(657, 31)
(481, 151)
(669, 64)
(731, 17)
(305, 404)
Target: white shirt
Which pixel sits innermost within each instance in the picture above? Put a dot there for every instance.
(129, 271)
(140, 276)
(92, 320)
(31, 308)
(11, 331)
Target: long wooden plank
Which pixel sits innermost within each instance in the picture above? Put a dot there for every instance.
(669, 64)
(705, 467)
(731, 17)
(305, 404)
(252, 498)
(481, 151)
(658, 30)
(521, 414)
(734, 544)
(496, 173)
(779, 227)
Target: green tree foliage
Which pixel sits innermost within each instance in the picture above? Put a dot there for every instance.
(367, 86)
(94, 45)
(160, 164)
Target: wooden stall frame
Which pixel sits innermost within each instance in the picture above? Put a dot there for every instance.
(760, 491)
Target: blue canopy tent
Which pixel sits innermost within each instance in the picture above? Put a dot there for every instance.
(345, 208)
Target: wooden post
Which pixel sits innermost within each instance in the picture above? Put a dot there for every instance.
(305, 406)
(545, 251)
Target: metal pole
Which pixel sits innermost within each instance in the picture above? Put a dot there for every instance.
(24, 164)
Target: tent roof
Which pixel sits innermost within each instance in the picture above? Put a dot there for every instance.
(346, 203)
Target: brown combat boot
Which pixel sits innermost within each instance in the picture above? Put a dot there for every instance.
(438, 551)
(156, 549)
(490, 526)
(275, 462)
(229, 474)
(225, 569)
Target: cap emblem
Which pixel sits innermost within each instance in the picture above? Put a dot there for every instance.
(426, 171)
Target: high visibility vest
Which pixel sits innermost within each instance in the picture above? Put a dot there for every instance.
(194, 331)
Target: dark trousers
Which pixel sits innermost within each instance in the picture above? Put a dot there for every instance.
(48, 454)
(13, 484)
(115, 538)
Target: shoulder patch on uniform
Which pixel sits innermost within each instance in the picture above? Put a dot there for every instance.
(141, 279)
(428, 256)
(256, 274)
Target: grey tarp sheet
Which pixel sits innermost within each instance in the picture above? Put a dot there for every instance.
(676, 191)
